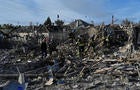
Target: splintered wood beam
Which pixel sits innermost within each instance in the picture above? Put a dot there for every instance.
(67, 71)
(81, 73)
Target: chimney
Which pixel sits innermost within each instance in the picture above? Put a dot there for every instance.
(77, 23)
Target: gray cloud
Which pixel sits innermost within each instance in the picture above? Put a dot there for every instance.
(14, 11)
(92, 8)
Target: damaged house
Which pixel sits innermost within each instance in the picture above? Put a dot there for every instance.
(116, 34)
(137, 35)
(58, 33)
(5, 39)
(1, 38)
(29, 32)
(80, 27)
(78, 23)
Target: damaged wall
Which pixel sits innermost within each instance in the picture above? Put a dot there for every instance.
(137, 35)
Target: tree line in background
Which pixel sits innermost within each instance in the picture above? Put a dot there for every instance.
(47, 22)
(58, 22)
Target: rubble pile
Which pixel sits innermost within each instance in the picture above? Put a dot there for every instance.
(103, 66)
(108, 72)
(104, 71)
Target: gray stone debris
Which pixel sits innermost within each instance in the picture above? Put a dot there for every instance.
(65, 69)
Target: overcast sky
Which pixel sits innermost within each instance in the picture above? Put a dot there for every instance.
(25, 11)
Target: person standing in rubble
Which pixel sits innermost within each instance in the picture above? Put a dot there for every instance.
(81, 45)
(107, 41)
(44, 48)
(25, 48)
(71, 36)
(91, 44)
(50, 47)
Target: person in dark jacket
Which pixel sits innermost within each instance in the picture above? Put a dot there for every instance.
(81, 45)
(44, 48)
(52, 46)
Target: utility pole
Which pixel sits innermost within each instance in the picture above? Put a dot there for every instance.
(18, 23)
(112, 23)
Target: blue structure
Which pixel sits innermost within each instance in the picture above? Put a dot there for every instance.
(13, 85)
